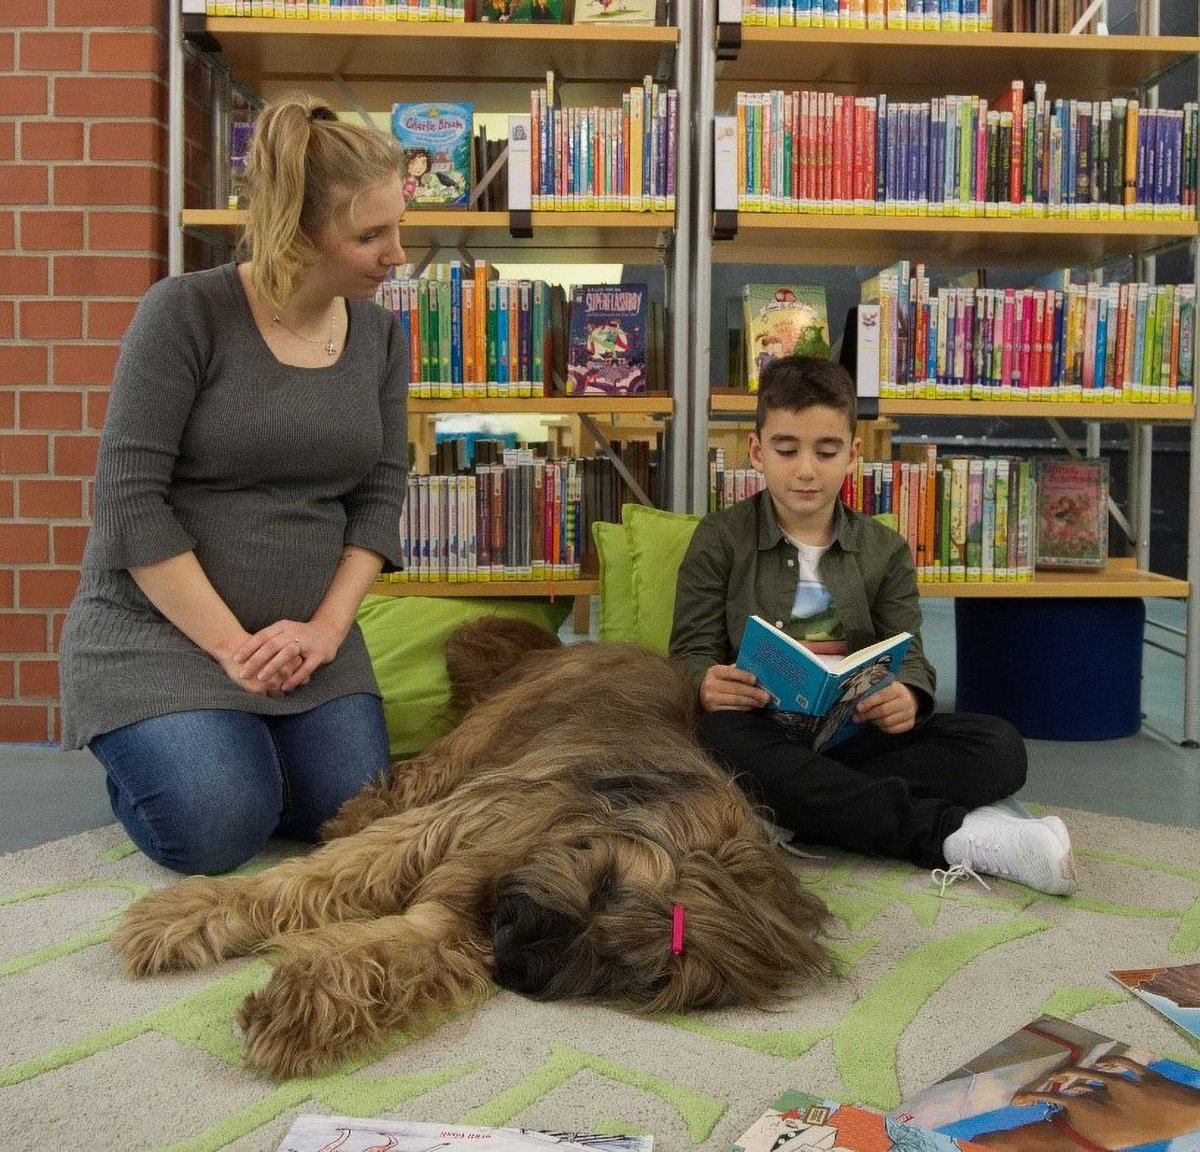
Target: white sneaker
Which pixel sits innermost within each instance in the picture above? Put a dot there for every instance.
(1036, 853)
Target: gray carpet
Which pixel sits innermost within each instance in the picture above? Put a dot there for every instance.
(89, 1057)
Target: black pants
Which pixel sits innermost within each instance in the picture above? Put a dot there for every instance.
(881, 795)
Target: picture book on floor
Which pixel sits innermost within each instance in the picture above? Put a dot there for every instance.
(615, 11)
(354, 1134)
(1071, 512)
(797, 1122)
(606, 340)
(1174, 991)
(815, 694)
(438, 147)
(1054, 1084)
(779, 320)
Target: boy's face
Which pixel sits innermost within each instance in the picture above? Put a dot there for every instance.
(804, 457)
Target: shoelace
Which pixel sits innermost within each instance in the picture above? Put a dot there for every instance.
(945, 877)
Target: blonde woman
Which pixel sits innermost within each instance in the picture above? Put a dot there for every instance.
(248, 490)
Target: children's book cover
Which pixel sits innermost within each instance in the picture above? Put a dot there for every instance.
(797, 1122)
(1071, 514)
(782, 319)
(615, 11)
(814, 695)
(1057, 1085)
(522, 11)
(1174, 991)
(353, 1134)
(606, 340)
(438, 150)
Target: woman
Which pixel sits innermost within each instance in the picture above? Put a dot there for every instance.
(248, 489)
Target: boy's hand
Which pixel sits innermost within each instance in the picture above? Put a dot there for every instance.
(892, 709)
(727, 688)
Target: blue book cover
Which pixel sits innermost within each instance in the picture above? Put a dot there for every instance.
(815, 695)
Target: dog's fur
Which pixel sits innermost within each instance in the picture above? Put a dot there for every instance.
(541, 845)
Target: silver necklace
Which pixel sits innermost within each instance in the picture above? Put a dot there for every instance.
(329, 345)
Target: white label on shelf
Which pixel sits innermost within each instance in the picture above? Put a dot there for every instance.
(729, 11)
(725, 164)
(868, 350)
(520, 177)
(192, 7)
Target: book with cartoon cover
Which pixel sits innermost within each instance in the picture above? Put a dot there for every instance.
(1173, 991)
(781, 320)
(606, 340)
(438, 149)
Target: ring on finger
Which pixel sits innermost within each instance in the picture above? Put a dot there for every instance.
(299, 645)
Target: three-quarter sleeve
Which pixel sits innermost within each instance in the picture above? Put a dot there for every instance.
(154, 387)
(373, 508)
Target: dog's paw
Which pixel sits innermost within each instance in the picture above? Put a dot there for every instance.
(166, 929)
(298, 1025)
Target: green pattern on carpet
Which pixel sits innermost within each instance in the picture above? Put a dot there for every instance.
(925, 982)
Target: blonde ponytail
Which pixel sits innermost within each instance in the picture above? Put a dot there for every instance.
(305, 166)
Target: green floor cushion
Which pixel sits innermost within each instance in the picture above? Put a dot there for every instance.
(406, 638)
(618, 614)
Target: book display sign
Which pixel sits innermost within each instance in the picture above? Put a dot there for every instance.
(815, 695)
(437, 144)
(1071, 512)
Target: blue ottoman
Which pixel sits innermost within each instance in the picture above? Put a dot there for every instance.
(1056, 669)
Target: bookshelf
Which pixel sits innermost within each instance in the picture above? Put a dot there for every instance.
(916, 65)
(362, 67)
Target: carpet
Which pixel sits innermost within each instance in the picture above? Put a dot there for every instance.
(89, 1057)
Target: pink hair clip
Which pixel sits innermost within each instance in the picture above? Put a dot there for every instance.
(677, 917)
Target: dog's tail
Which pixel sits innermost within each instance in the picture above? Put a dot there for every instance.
(483, 656)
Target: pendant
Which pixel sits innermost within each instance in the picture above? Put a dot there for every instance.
(331, 348)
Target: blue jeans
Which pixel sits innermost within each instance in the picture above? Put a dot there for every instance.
(201, 792)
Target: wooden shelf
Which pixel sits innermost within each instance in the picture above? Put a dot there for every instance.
(903, 63)
(789, 238)
(654, 404)
(381, 62)
(1120, 578)
(570, 237)
(549, 589)
(737, 401)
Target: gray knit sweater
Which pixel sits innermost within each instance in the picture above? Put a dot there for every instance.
(263, 469)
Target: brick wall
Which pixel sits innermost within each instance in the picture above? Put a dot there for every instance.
(83, 105)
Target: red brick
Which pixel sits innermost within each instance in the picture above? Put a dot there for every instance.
(26, 13)
(97, 406)
(24, 723)
(29, 454)
(127, 231)
(84, 364)
(102, 96)
(8, 51)
(7, 679)
(25, 184)
(51, 409)
(8, 141)
(8, 230)
(51, 51)
(23, 632)
(24, 544)
(128, 140)
(22, 364)
(126, 52)
(106, 275)
(61, 231)
(101, 13)
(53, 499)
(24, 95)
(67, 541)
(46, 587)
(75, 455)
(6, 590)
(108, 184)
(108, 319)
(52, 140)
(37, 679)
(57, 620)
(51, 319)
(8, 325)
(7, 487)
(24, 275)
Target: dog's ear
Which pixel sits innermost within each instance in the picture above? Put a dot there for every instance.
(481, 654)
(528, 941)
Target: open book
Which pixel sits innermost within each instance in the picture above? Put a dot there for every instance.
(1173, 991)
(815, 694)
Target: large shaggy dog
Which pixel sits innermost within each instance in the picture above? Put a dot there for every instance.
(555, 843)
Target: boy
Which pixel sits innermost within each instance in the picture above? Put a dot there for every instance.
(912, 784)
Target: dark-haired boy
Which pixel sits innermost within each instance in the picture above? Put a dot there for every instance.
(911, 784)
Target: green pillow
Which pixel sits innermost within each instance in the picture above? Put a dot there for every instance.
(406, 639)
(657, 543)
(618, 614)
